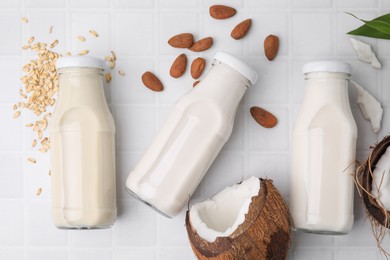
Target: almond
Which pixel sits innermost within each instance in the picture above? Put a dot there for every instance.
(241, 29)
(221, 11)
(271, 46)
(263, 117)
(195, 83)
(202, 44)
(183, 40)
(179, 66)
(197, 67)
(152, 82)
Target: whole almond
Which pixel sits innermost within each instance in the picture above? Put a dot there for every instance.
(197, 67)
(152, 82)
(183, 40)
(202, 44)
(263, 117)
(178, 66)
(241, 29)
(271, 46)
(221, 11)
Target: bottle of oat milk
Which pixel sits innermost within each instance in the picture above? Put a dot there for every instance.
(191, 137)
(82, 135)
(323, 152)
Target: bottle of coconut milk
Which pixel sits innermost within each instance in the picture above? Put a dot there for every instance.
(324, 148)
(191, 137)
(82, 135)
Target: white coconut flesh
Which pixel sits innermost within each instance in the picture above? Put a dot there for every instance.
(220, 215)
(381, 180)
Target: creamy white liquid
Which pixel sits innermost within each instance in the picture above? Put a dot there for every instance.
(188, 142)
(324, 144)
(82, 139)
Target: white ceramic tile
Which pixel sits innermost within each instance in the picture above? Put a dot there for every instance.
(385, 96)
(302, 239)
(272, 85)
(267, 4)
(130, 89)
(10, 76)
(178, 4)
(304, 254)
(267, 139)
(274, 167)
(10, 136)
(358, 254)
(171, 24)
(226, 170)
(46, 3)
(176, 253)
(134, 33)
(357, 3)
(135, 127)
(89, 3)
(11, 175)
(312, 34)
(98, 254)
(82, 23)
(236, 4)
(125, 162)
(298, 82)
(11, 26)
(136, 225)
(11, 229)
(40, 228)
(312, 3)
(91, 238)
(365, 75)
(167, 227)
(37, 175)
(47, 254)
(11, 253)
(264, 24)
(10, 3)
(134, 4)
(135, 254)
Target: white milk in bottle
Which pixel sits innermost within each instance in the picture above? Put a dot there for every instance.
(324, 148)
(191, 137)
(82, 136)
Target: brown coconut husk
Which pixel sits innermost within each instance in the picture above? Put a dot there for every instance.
(265, 233)
(378, 216)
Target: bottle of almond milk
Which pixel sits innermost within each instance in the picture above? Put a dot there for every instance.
(324, 148)
(82, 135)
(192, 136)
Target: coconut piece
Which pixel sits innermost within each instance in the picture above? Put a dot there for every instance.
(379, 216)
(370, 107)
(381, 181)
(365, 53)
(249, 220)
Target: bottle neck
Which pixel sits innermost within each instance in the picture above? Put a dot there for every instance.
(224, 85)
(80, 86)
(326, 87)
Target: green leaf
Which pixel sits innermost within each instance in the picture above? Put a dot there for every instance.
(376, 28)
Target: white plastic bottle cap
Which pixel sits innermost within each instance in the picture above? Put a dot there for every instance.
(80, 61)
(327, 66)
(238, 65)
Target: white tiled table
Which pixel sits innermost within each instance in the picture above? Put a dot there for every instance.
(138, 30)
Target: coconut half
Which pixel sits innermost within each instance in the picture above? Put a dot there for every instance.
(249, 220)
(371, 188)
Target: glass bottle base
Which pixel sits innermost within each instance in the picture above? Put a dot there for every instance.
(132, 193)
